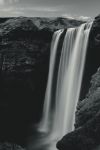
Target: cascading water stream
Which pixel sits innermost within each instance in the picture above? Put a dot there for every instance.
(69, 80)
(44, 125)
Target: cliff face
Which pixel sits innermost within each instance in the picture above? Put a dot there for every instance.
(24, 58)
(24, 62)
(87, 133)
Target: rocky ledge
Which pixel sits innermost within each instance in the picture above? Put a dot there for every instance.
(86, 135)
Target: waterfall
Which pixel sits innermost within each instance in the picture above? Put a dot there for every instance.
(60, 120)
(44, 125)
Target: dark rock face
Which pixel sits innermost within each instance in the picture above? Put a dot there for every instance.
(92, 59)
(89, 107)
(87, 133)
(24, 62)
(8, 146)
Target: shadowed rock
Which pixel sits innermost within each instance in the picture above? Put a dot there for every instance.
(8, 146)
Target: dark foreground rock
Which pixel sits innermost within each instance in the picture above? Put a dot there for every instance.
(8, 146)
(87, 133)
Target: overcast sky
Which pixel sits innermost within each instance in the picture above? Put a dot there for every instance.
(48, 8)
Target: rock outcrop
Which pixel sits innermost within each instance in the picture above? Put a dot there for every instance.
(86, 136)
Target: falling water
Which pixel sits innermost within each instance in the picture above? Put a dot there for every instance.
(70, 74)
(44, 125)
(69, 79)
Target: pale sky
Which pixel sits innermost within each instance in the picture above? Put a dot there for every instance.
(47, 8)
